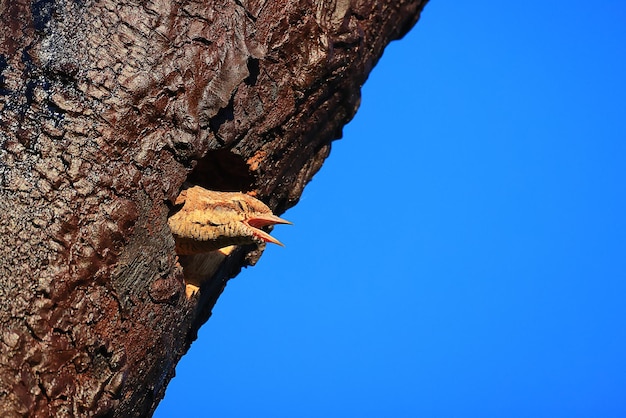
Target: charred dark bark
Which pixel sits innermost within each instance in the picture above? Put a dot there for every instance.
(106, 108)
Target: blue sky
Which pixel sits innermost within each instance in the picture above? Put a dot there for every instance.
(462, 253)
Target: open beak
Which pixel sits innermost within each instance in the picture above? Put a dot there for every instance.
(260, 220)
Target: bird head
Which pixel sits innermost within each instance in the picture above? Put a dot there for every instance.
(207, 220)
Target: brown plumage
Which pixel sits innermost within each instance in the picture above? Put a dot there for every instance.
(207, 221)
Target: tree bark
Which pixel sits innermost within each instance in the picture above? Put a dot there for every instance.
(106, 108)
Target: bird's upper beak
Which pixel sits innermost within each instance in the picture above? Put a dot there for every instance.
(258, 221)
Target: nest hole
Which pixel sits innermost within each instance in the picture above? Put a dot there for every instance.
(224, 171)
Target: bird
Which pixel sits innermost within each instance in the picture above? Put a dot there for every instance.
(207, 225)
(208, 220)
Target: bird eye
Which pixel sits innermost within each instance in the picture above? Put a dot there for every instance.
(242, 206)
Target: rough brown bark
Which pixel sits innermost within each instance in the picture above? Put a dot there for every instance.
(106, 108)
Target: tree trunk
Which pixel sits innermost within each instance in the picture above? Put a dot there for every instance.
(106, 108)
